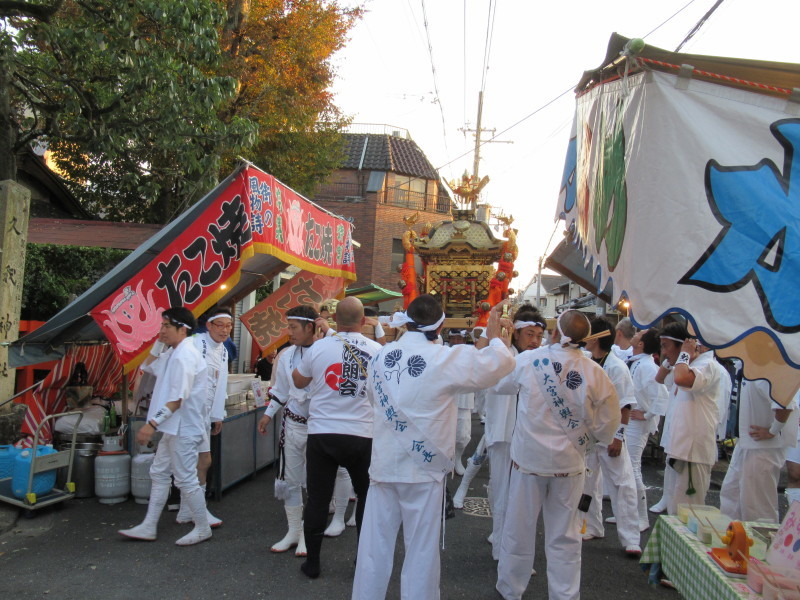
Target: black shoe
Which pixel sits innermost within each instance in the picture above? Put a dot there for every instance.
(310, 568)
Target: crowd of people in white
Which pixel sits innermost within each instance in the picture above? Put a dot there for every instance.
(567, 410)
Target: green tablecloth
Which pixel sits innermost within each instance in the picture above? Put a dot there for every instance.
(686, 563)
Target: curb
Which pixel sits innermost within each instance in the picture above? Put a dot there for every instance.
(8, 518)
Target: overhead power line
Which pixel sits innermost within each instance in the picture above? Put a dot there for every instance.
(433, 70)
(698, 25)
(487, 45)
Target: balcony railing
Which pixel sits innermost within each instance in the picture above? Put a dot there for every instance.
(353, 192)
(414, 200)
(341, 192)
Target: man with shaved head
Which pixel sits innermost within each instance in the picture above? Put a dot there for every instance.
(339, 421)
(566, 404)
(623, 339)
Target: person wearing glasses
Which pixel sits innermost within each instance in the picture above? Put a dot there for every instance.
(211, 345)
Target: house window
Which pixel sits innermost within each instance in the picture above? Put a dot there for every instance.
(410, 192)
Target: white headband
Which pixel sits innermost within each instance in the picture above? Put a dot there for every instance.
(217, 316)
(399, 319)
(521, 324)
(302, 319)
(669, 337)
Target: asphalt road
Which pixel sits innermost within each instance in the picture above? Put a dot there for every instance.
(74, 552)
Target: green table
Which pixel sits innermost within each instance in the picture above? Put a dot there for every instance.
(685, 562)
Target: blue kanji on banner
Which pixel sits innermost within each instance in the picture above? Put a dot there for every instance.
(759, 209)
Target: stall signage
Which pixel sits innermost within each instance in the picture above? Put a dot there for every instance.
(255, 213)
(266, 321)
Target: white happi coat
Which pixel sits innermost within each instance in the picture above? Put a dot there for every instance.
(425, 380)
(180, 374)
(620, 376)
(723, 399)
(651, 396)
(293, 398)
(539, 444)
(691, 435)
(216, 356)
(501, 414)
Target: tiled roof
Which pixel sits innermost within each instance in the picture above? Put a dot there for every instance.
(553, 282)
(386, 153)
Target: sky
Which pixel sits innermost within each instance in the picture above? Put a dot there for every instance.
(537, 52)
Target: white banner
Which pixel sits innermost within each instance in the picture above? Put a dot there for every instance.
(685, 197)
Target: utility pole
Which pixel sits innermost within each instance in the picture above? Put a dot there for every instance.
(539, 285)
(477, 154)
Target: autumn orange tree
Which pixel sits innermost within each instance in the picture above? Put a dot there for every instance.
(280, 53)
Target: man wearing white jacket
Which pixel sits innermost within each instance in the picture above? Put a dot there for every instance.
(413, 385)
(651, 403)
(178, 410)
(766, 433)
(501, 415)
(291, 476)
(565, 402)
(690, 440)
(211, 345)
(610, 463)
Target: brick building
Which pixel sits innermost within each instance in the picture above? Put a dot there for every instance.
(385, 176)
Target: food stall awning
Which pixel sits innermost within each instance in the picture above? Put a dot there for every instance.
(237, 237)
(372, 294)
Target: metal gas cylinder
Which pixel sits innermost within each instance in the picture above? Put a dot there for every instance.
(140, 474)
(112, 476)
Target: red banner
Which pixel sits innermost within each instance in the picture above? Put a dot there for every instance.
(266, 321)
(255, 213)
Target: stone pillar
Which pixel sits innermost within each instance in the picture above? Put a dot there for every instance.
(14, 215)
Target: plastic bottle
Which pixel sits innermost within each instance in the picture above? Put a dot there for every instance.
(112, 417)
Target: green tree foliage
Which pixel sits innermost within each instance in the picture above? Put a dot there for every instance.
(56, 275)
(143, 103)
(128, 97)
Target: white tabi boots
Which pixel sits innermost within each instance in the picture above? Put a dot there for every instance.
(351, 522)
(197, 505)
(294, 515)
(469, 474)
(147, 529)
(341, 497)
(185, 515)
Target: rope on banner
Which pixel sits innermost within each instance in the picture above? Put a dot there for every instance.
(753, 84)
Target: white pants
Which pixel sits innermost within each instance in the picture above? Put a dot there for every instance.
(636, 436)
(499, 480)
(418, 507)
(294, 461)
(463, 428)
(750, 489)
(177, 456)
(701, 479)
(622, 487)
(558, 498)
